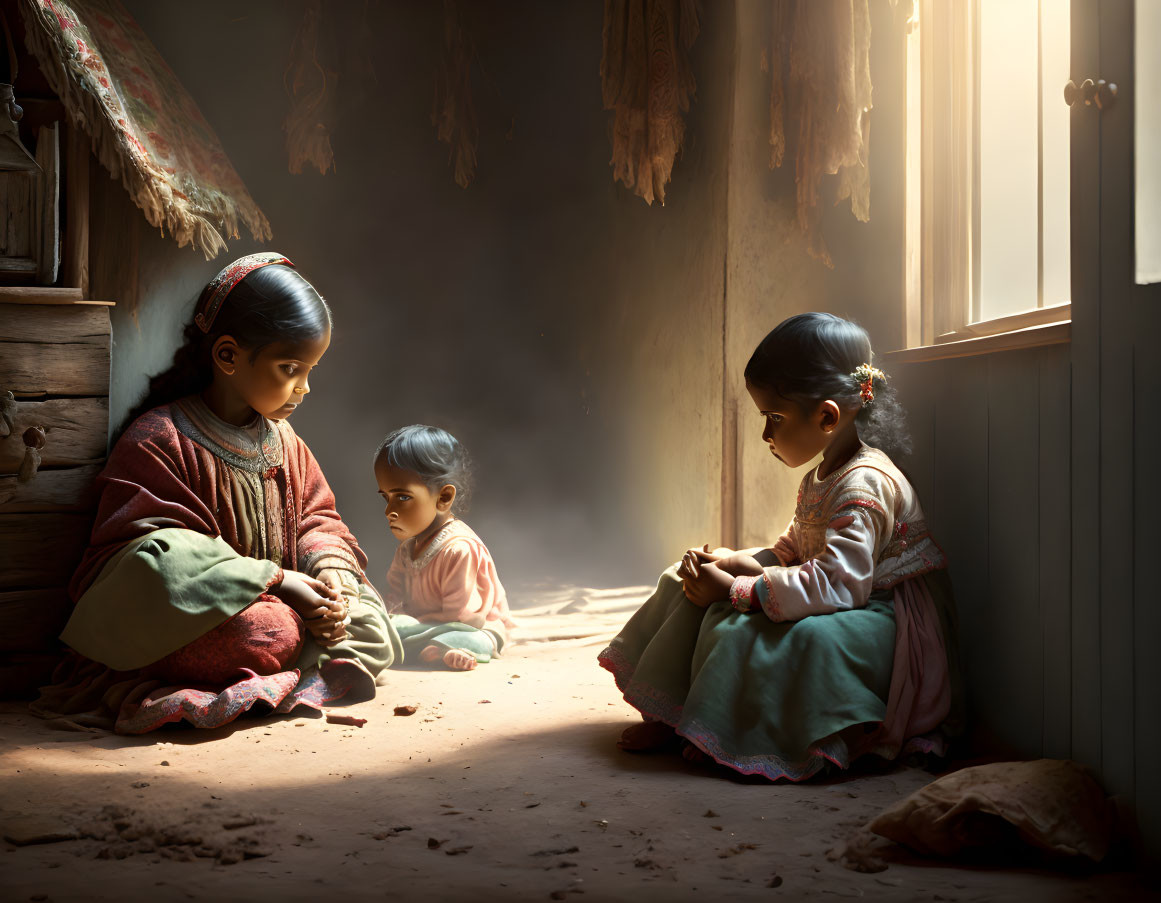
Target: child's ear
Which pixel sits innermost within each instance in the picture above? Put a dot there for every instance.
(224, 354)
(828, 416)
(447, 495)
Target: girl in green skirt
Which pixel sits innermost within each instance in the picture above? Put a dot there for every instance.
(836, 641)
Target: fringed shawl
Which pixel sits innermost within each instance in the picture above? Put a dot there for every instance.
(177, 467)
(144, 127)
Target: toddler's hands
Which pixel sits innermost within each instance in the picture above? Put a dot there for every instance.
(711, 584)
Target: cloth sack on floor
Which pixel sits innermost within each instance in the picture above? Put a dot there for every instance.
(1050, 804)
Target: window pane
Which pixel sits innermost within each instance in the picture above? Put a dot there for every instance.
(1147, 84)
(1008, 152)
(1054, 52)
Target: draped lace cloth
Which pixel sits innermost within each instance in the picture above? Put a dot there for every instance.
(647, 81)
(820, 86)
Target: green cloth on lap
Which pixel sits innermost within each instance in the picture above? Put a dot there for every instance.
(159, 593)
(417, 636)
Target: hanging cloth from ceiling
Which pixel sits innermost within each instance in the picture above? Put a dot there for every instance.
(647, 81)
(820, 80)
(144, 127)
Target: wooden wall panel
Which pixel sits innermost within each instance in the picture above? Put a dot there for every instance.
(960, 525)
(1146, 580)
(1053, 474)
(991, 464)
(1010, 609)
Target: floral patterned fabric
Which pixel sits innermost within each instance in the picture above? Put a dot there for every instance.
(144, 127)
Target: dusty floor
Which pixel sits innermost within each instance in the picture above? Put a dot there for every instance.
(505, 784)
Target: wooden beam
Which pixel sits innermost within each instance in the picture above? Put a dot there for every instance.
(48, 203)
(29, 294)
(76, 238)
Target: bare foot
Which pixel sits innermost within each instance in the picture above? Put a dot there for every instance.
(693, 755)
(456, 659)
(646, 737)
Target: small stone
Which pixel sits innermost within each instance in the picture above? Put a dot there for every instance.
(709, 813)
(405, 709)
(165, 761)
(775, 881)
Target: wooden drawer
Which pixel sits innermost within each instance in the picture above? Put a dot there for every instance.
(75, 431)
(54, 358)
(32, 619)
(41, 550)
(54, 349)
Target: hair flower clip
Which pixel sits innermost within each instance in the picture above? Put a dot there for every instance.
(865, 375)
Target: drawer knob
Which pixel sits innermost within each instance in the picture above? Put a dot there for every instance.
(34, 439)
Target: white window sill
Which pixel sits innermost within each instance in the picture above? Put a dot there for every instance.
(1014, 340)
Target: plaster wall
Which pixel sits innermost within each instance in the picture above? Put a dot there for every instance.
(771, 277)
(568, 334)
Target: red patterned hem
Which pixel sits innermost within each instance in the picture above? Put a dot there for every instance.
(203, 708)
(830, 750)
(769, 604)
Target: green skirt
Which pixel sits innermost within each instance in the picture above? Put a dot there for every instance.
(759, 696)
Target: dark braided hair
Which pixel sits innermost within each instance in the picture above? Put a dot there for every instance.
(812, 357)
(271, 304)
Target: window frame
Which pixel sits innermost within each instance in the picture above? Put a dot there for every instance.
(941, 186)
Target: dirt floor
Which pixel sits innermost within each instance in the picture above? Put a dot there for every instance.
(504, 784)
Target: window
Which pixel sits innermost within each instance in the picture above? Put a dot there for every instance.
(988, 168)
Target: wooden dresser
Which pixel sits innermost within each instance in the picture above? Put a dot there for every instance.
(54, 359)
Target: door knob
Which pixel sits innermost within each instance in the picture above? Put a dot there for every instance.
(1100, 93)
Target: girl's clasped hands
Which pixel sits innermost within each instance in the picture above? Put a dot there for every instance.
(707, 576)
(321, 607)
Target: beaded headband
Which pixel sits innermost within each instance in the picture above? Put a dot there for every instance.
(214, 294)
(865, 375)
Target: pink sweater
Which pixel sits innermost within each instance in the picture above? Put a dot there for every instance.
(454, 579)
